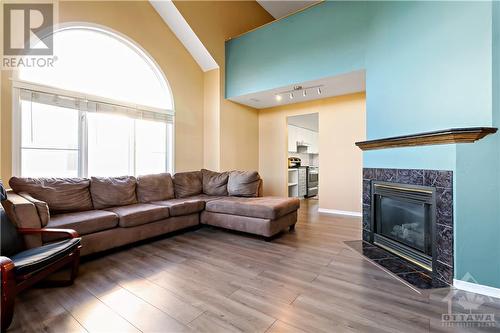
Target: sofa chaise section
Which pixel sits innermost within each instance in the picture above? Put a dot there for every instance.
(252, 225)
(270, 208)
(265, 216)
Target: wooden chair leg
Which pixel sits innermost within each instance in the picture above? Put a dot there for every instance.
(8, 296)
(75, 265)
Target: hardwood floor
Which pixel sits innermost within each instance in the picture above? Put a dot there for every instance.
(214, 281)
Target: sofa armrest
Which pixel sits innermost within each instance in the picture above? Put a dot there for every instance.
(21, 211)
(70, 233)
(41, 207)
(23, 214)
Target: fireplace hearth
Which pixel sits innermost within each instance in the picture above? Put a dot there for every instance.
(403, 221)
(408, 213)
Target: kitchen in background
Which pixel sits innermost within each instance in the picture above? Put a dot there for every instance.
(303, 156)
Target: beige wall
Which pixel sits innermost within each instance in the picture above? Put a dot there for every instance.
(2, 160)
(214, 22)
(211, 122)
(140, 22)
(1, 126)
(6, 132)
(341, 123)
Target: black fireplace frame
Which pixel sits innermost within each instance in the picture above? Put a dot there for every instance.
(410, 193)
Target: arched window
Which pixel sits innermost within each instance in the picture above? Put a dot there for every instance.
(104, 109)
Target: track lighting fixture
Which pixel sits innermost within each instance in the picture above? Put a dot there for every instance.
(299, 90)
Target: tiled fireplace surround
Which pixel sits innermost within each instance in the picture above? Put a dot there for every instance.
(442, 181)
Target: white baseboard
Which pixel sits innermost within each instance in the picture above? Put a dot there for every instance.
(339, 212)
(476, 288)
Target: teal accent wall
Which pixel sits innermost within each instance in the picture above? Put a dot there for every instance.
(326, 40)
(477, 212)
(429, 66)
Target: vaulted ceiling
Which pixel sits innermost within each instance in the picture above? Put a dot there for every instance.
(282, 8)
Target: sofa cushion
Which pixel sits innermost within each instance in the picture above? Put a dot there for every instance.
(155, 187)
(243, 183)
(62, 195)
(187, 184)
(182, 206)
(84, 222)
(206, 198)
(112, 191)
(264, 207)
(214, 183)
(137, 214)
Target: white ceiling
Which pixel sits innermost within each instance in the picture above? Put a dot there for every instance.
(281, 8)
(309, 121)
(179, 26)
(344, 84)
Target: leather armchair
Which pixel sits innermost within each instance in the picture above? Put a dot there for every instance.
(21, 268)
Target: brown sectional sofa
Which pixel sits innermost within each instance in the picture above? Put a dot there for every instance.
(114, 211)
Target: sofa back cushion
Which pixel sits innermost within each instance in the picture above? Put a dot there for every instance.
(214, 183)
(187, 184)
(243, 183)
(62, 195)
(113, 191)
(155, 187)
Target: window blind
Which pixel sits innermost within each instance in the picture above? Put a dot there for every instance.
(87, 105)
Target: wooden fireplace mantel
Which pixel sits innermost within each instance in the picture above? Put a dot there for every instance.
(453, 135)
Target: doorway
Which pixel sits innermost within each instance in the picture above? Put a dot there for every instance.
(303, 156)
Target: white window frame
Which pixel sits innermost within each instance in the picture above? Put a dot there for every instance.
(18, 84)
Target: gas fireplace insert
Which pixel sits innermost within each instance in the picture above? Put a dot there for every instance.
(403, 221)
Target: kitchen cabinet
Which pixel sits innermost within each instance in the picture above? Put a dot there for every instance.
(302, 190)
(302, 135)
(297, 182)
(314, 148)
(293, 182)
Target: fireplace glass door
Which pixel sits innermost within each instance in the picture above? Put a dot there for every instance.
(403, 222)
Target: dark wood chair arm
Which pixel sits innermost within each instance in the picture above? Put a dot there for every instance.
(70, 233)
(8, 291)
(6, 264)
